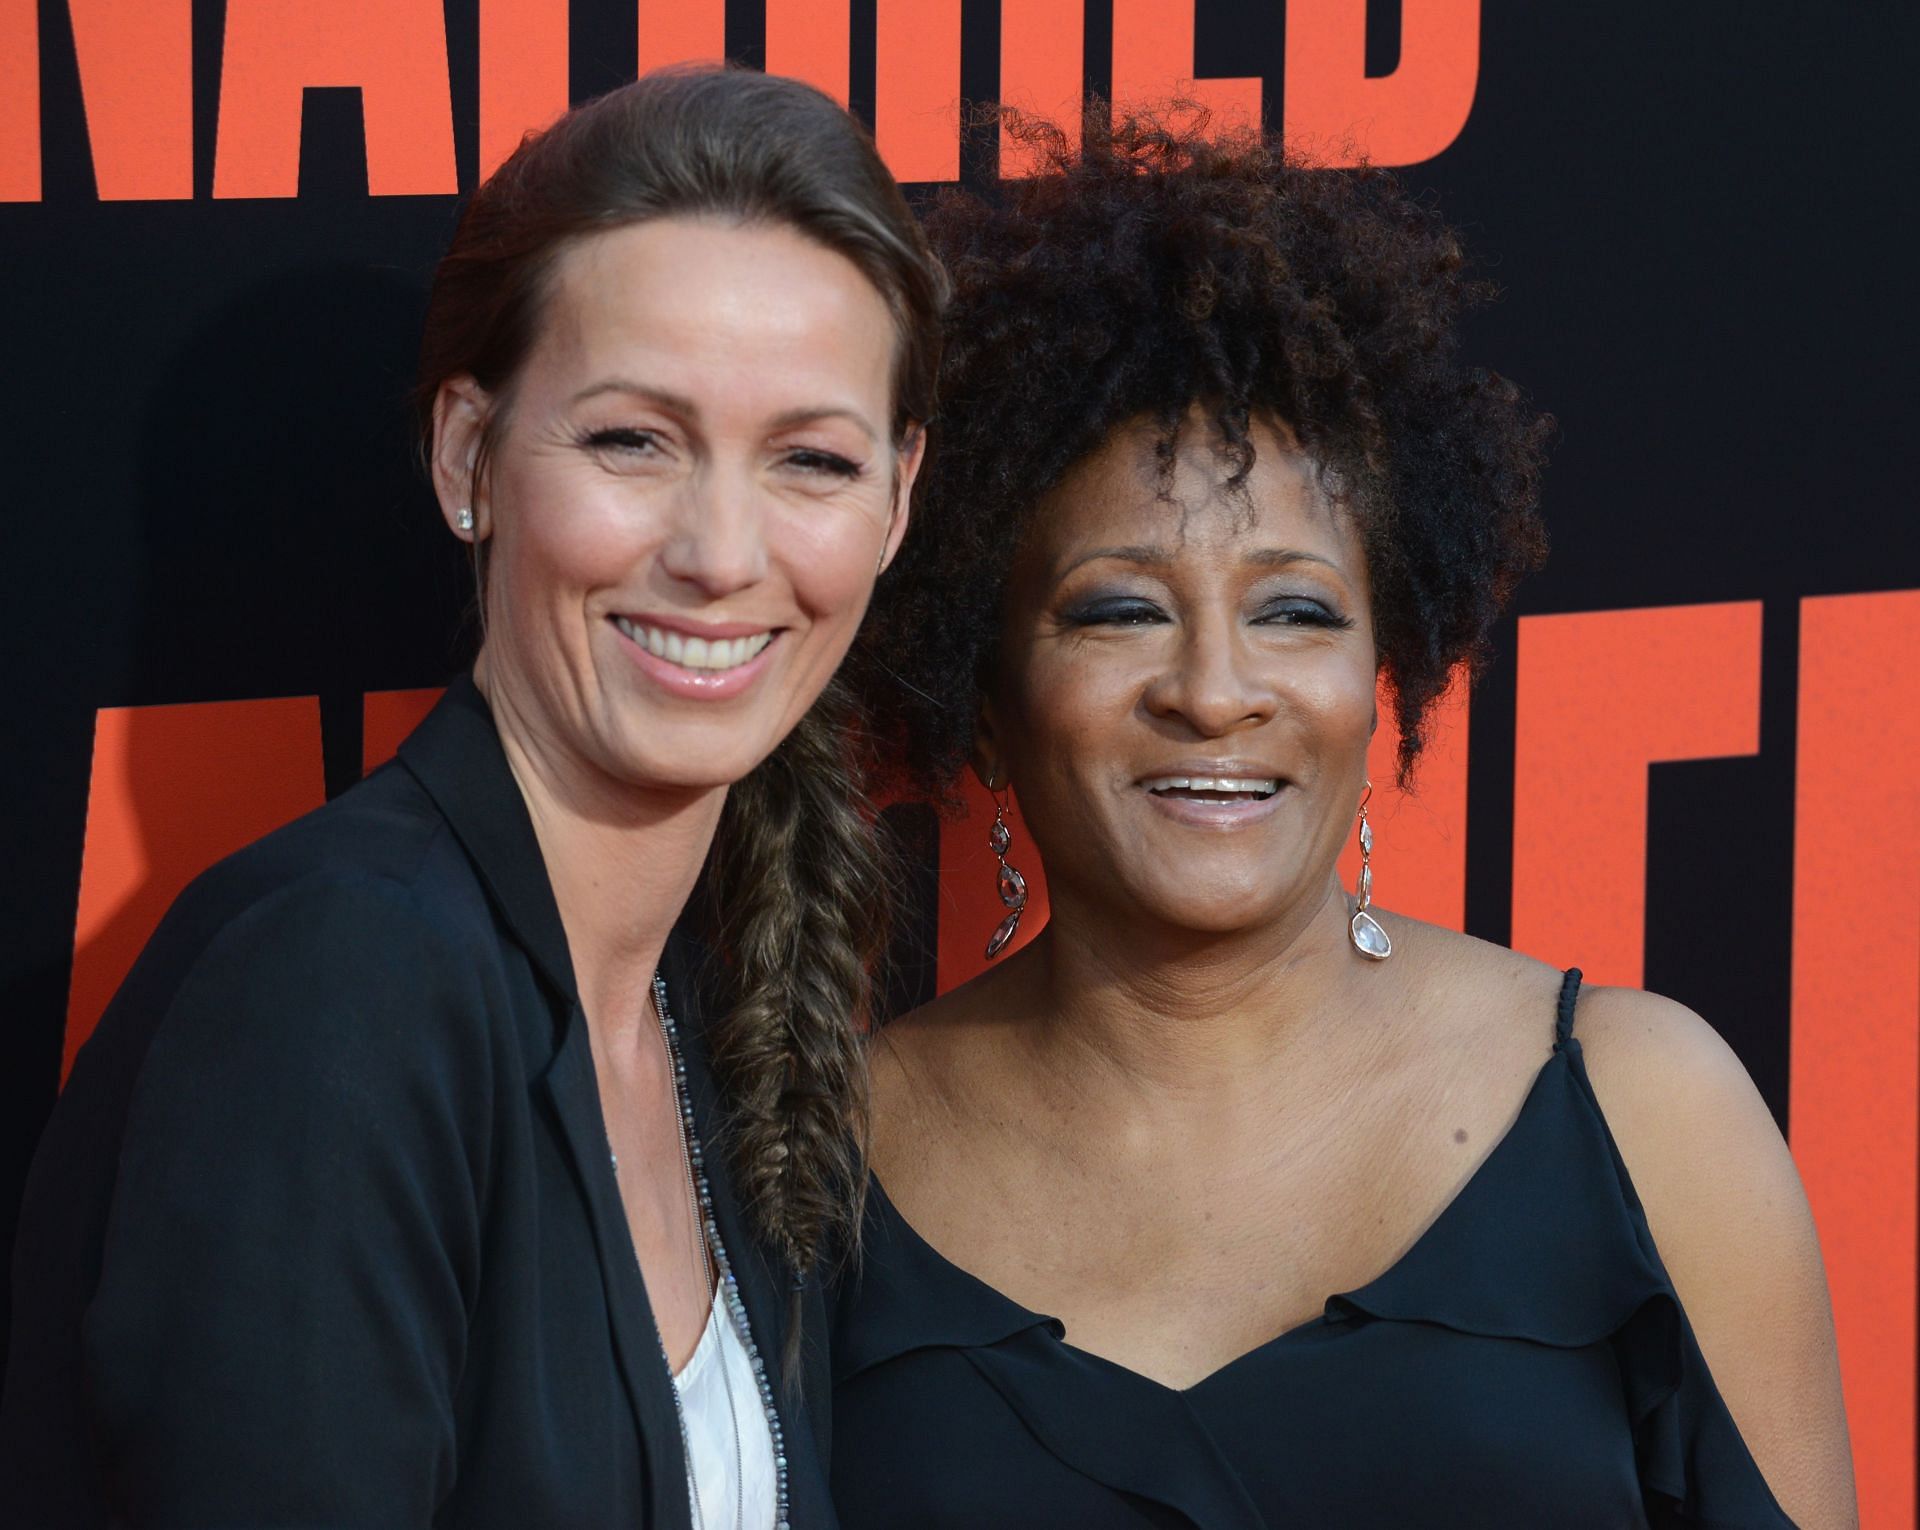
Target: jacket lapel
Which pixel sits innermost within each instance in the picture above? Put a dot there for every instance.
(455, 754)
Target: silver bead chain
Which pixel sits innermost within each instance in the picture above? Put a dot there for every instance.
(714, 1258)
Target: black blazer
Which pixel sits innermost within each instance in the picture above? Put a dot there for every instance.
(324, 1230)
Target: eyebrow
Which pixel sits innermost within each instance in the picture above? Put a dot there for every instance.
(1161, 557)
(679, 403)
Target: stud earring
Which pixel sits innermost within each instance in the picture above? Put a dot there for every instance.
(1369, 939)
(463, 518)
(1013, 886)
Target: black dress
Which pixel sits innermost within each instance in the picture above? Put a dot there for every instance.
(324, 1230)
(1526, 1363)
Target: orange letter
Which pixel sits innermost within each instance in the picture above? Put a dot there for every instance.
(1419, 837)
(970, 904)
(1153, 60)
(136, 78)
(1042, 45)
(523, 73)
(395, 51)
(1335, 115)
(19, 101)
(1600, 696)
(682, 32)
(809, 40)
(1856, 1010)
(387, 718)
(173, 790)
(916, 88)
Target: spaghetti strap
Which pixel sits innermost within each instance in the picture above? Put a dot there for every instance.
(1569, 994)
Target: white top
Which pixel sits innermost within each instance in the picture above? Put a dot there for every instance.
(717, 1367)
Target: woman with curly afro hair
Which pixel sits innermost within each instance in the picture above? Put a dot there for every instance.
(1231, 1199)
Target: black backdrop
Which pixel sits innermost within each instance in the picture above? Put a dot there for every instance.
(1696, 211)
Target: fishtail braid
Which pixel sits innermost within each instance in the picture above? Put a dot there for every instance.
(801, 879)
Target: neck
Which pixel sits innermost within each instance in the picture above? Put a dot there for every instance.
(622, 861)
(1178, 1020)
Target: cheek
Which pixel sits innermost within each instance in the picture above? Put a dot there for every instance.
(1334, 699)
(1072, 708)
(555, 539)
(830, 556)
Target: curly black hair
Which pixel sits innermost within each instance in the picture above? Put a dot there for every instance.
(1159, 267)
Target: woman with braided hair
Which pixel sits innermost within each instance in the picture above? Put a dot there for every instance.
(420, 1173)
(1232, 1200)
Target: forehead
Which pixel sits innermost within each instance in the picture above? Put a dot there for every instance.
(1127, 493)
(716, 298)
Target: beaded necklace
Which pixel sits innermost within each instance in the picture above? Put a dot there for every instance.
(714, 1259)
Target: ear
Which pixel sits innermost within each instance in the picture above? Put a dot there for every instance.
(906, 469)
(460, 412)
(987, 759)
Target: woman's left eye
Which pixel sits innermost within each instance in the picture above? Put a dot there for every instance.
(1300, 613)
(813, 460)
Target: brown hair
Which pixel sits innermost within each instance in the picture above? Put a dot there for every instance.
(798, 874)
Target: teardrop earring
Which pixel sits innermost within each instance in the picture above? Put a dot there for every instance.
(1013, 886)
(1369, 939)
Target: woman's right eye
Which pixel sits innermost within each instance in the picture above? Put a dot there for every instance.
(1120, 612)
(620, 438)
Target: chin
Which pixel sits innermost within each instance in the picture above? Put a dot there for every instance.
(681, 774)
(670, 759)
(1212, 911)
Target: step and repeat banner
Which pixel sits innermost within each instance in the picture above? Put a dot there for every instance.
(227, 593)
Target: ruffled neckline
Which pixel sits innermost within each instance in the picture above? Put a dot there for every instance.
(1580, 1275)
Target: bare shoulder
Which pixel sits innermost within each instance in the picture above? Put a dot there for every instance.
(1661, 1069)
(1731, 1223)
(1700, 1144)
(1493, 997)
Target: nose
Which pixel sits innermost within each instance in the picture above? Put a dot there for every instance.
(1214, 682)
(718, 539)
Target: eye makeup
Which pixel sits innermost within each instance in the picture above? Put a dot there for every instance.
(1110, 610)
(1301, 611)
(1116, 610)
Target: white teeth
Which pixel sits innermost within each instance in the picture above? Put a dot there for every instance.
(1226, 785)
(693, 652)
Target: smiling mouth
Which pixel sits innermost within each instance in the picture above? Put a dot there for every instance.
(1220, 790)
(707, 654)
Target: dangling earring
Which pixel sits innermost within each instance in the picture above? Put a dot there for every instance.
(1013, 886)
(1369, 939)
